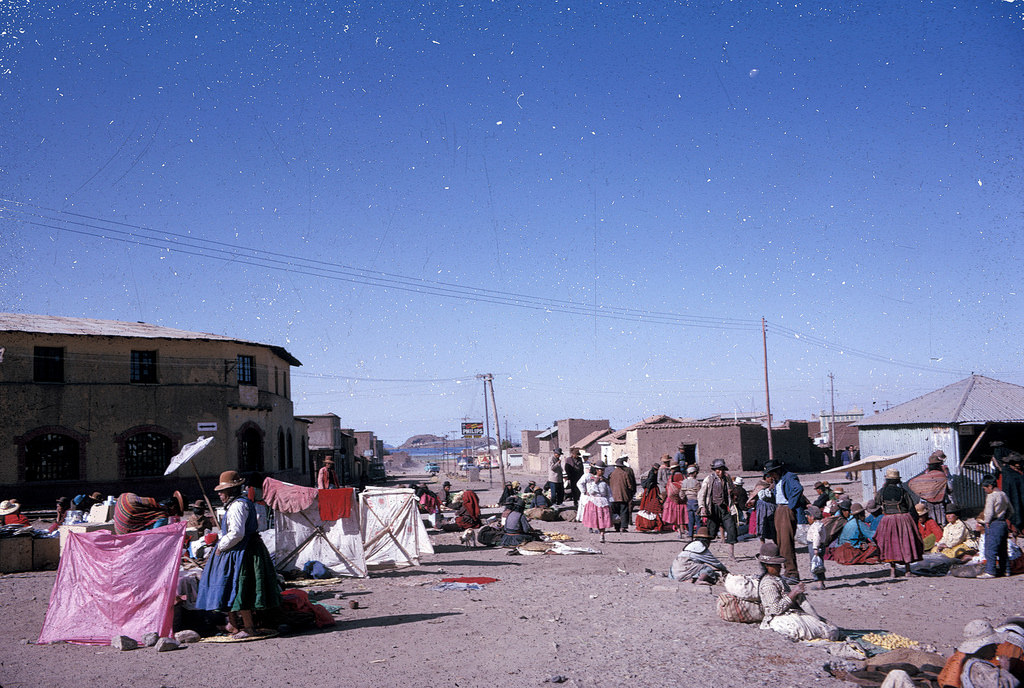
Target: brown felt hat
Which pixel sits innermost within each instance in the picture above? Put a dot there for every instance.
(921, 509)
(229, 479)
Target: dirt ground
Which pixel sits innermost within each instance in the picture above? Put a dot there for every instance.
(594, 619)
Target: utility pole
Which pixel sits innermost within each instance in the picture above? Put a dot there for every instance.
(489, 378)
(767, 396)
(832, 419)
(487, 436)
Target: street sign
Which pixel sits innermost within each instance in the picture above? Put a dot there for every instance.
(472, 430)
(206, 427)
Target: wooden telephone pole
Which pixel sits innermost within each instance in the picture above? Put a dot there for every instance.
(488, 379)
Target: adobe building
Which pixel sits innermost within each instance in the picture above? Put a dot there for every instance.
(98, 405)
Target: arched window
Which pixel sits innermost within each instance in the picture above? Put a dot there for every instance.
(52, 456)
(250, 449)
(291, 451)
(280, 450)
(146, 454)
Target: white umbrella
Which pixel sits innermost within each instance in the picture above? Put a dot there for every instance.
(870, 463)
(186, 455)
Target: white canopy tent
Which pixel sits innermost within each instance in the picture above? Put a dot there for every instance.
(393, 532)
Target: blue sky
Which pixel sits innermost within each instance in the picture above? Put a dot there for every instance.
(654, 177)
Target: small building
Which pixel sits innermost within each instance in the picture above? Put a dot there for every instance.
(101, 405)
(539, 446)
(961, 419)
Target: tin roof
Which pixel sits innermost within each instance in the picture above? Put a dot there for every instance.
(976, 399)
(549, 433)
(88, 327)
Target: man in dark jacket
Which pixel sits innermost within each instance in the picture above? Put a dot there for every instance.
(623, 486)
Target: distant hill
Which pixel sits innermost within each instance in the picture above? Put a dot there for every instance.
(422, 441)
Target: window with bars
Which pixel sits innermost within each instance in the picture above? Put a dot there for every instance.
(51, 457)
(146, 454)
(48, 364)
(246, 370)
(143, 367)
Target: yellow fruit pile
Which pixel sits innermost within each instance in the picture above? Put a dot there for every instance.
(890, 641)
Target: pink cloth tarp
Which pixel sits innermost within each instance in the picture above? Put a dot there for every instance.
(109, 585)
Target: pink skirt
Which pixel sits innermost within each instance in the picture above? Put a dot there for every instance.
(898, 539)
(673, 514)
(599, 517)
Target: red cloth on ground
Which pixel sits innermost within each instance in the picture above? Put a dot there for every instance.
(482, 580)
(286, 497)
(848, 554)
(335, 504)
(16, 519)
(294, 600)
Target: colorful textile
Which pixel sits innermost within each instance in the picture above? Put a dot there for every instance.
(468, 515)
(931, 486)
(241, 577)
(898, 539)
(336, 504)
(673, 512)
(481, 580)
(133, 513)
(598, 517)
(288, 498)
(847, 554)
(648, 518)
(109, 585)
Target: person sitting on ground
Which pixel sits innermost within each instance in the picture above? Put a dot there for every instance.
(200, 520)
(696, 563)
(824, 494)
(872, 516)
(977, 662)
(133, 513)
(517, 529)
(446, 494)
(931, 532)
(838, 496)
(855, 532)
(63, 506)
(537, 499)
(786, 609)
(467, 512)
(85, 502)
(10, 509)
(957, 539)
(506, 492)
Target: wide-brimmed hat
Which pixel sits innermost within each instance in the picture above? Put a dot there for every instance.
(329, 460)
(813, 511)
(97, 496)
(769, 554)
(229, 479)
(621, 461)
(773, 465)
(702, 532)
(691, 469)
(446, 484)
(839, 490)
(856, 509)
(738, 480)
(978, 634)
(9, 506)
(666, 459)
(558, 451)
(198, 504)
(937, 456)
(718, 463)
(819, 485)
(892, 474)
(921, 509)
(598, 464)
(845, 505)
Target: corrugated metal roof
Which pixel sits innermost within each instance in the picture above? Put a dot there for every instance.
(976, 399)
(547, 434)
(88, 327)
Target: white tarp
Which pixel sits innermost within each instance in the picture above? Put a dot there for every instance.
(393, 532)
(338, 545)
